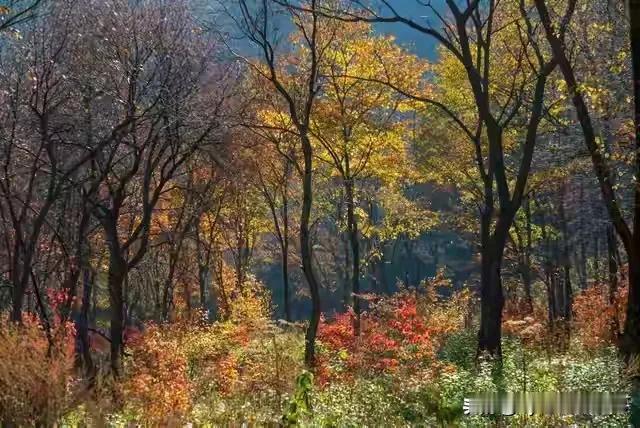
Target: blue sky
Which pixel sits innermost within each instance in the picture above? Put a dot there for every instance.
(416, 42)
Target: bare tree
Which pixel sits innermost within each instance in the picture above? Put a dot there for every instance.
(158, 72)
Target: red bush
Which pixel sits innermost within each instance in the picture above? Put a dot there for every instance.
(394, 335)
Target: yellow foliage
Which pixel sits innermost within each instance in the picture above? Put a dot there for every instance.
(246, 302)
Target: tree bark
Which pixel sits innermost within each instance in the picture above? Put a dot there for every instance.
(352, 227)
(83, 325)
(612, 260)
(306, 252)
(526, 262)
(491, 304)
(116, 276)
(285, 245)
(567, 291)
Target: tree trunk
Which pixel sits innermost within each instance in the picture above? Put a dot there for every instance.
(352, 227)
(306, 253)
(526, 268)
(612, 260)
(346, 294)
(285, 241)
(631, 339)
(596, 259)
(20, 280)
(83, 325)
(285, 282)
(116, 276)
(491, 302)
(167, 299)
(566, 260)
(207, 302)
(549, 277)
(491, 292)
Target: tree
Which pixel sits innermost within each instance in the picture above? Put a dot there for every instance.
(162, 84)
(358, 122)
(274, 179)
(38, 168)
(474, 38)
(17, 12)
(296, 80)
(629, 236)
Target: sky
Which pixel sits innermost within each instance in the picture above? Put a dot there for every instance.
(416, 42)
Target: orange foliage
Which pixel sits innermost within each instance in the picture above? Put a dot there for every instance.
(157, 384)
(597, 321)
(36, 373)
(529, 326)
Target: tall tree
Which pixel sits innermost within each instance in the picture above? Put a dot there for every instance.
(629, 234)
(361, 125)
(473, 38)
(162, 80)
(296, 80)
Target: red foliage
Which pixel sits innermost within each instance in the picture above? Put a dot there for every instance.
(394, 334)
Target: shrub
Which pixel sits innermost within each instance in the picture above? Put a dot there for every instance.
(393, 336)
(399, 333)
(362, 403)
(242, 372)
(242, 302)
(37, 383)
(460, 349)
(597, 320)
(157, 387)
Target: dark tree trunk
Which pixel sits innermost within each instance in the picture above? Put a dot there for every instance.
(17, 294)
(20, 281)
(566, 290)
(285, 241)
(631, 338)
(549, 277)
(612, 259)
(204, 281)
(346, 290)
(491, 302)
(596, 259)
(352, 228)
(116, 276)
(83, 325)
(306, 253)
(526, 268)
(207, 302)
(491, 292)
(285, 284)
(167, 296)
